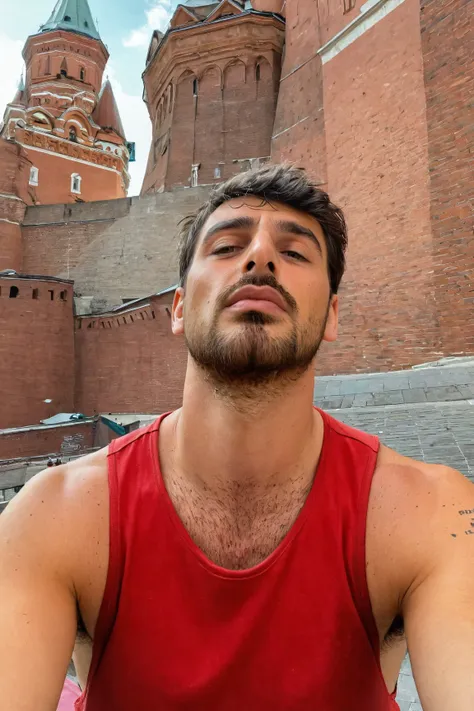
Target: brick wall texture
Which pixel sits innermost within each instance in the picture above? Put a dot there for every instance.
(211, 92)
(112, 249)
(61, 440)
(447, 36)
(129, 362)
(377, 158)
(36, 350)
(386, 125)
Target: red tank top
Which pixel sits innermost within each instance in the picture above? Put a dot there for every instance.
(295, 633)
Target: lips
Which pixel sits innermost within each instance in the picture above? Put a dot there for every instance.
(258, 293)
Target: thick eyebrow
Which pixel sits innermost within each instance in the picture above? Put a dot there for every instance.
(294, 228)
(245, 223)
(236, 223)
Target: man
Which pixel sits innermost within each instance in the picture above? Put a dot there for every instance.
(246, 551)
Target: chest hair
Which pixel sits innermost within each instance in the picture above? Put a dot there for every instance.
(239, 525)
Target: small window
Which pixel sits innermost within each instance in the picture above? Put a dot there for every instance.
(14, 291)
(86, 24)
(51, 294)
(349, 5)
(34, 175)
(63, 295)
(67, 18)
(257, 72)
(63, 73)
(195, 87)
(194, 175)
(76, 183)
(82, 74)
(73, 134)
(217, 172)
(35, 294)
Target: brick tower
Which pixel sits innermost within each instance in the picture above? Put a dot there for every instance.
(65, 122)
(211, 85)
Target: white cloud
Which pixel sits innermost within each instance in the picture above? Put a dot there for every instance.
(137, 126)
(157, 18)
(137, 38)
(12, 63)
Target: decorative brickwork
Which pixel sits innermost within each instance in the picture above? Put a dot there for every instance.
(211, 87)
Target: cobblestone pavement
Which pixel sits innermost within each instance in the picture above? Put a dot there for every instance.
(439, 433)
(427, 414)
(447, 383)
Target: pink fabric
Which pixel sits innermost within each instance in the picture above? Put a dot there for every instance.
(69, 694)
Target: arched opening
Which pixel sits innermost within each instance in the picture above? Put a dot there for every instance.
(14, 291)
(82, 74)
(257, 72)
(73, 134)
(195, 87)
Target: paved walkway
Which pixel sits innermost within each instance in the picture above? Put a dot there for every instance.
(447, 383)
(426, 413)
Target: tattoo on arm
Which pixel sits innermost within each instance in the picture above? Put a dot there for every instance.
(469, 531)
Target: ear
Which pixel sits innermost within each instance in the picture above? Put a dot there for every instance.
(330, 332)
(177, 312)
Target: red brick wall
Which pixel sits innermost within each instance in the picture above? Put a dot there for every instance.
(64, 439)
(13, 181)
(298, 133)
(375, 116)
(36, 351)
(129, 363)
(54, 179)
(182, 134)
(448, 58)
(227, 116)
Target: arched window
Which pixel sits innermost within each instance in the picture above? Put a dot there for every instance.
(76, 183)
(195, 87)
(257, 72)
(83, 74)
(34, 175)
(14, 291)
(73, 134)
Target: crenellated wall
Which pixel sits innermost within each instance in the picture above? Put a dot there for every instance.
(129, 361)
(36, 349)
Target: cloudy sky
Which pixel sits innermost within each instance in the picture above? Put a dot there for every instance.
(125, 27)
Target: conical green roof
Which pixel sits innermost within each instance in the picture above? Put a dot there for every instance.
(72, 15)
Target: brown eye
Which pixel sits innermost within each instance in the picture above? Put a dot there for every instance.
(295, 255)
(228, 249)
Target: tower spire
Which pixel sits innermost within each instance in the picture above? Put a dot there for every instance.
(72, 15)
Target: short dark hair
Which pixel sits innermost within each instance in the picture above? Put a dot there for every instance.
(281, 183)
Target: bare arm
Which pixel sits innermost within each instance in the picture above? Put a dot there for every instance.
(37, 598)
(439, 606)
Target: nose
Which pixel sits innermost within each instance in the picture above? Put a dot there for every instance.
(261, 256)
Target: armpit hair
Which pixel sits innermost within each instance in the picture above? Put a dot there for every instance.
(395, 633)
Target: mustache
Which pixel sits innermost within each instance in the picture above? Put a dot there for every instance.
(257, 280)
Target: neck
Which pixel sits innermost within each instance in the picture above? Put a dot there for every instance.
(268, 437)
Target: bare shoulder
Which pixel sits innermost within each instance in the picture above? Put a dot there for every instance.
(416, 511)
(62, 512)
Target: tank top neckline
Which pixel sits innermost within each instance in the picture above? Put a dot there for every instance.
(256, 570)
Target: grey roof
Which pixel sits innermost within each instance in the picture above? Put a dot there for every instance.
(72, 15)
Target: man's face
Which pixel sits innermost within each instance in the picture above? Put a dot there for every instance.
(257, 298)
